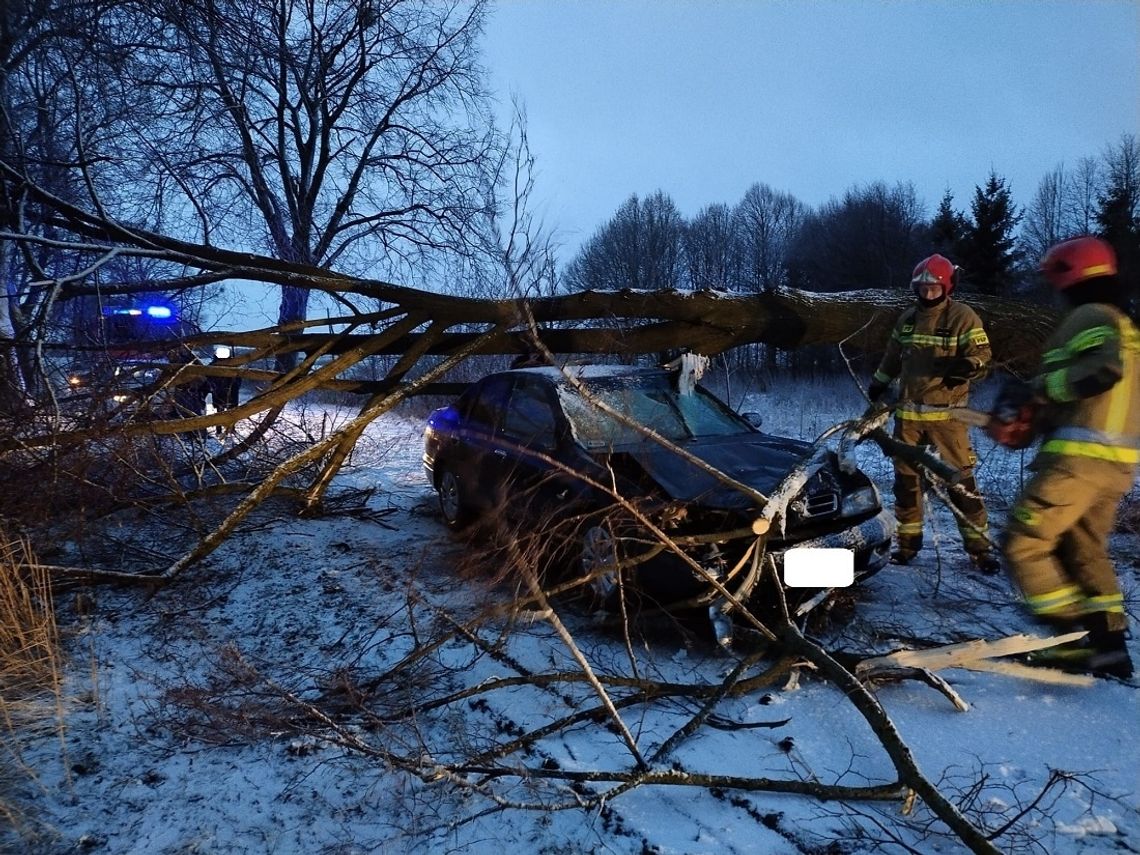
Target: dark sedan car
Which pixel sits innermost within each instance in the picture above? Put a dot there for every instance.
(571, 458)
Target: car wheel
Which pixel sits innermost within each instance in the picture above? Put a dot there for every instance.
(456, 512)
(598, 560)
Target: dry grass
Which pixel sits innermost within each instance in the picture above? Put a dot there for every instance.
(30, 678)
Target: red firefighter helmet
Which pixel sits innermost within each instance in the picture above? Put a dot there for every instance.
(935, 270)
(1073, 261)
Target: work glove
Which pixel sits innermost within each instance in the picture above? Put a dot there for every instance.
(960, 371)
(876, 390)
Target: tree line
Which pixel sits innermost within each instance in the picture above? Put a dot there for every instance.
(870, 237)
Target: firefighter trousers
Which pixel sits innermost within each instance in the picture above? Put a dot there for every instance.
(1056, 544)
(950, 439)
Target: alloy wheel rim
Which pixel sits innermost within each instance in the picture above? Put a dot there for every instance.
(449, 496)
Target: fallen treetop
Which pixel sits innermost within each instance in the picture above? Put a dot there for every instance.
(626, 321)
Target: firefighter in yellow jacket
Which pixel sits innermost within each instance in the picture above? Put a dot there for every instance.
(936, 349)
(1088, 386)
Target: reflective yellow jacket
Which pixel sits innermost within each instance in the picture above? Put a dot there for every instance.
(1090, 374)
(923, 345)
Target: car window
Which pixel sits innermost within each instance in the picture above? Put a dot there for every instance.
(530, 418)
(489, 403)
(706, 416)
(650, 402)
(653, 408)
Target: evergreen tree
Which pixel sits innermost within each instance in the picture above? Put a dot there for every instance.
(948, 228)
(1118, 213)
(989, 256)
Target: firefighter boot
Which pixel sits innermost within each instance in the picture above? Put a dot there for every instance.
(908, 544)
(985, 562)
(1070, 656)
(1101, 653)
(1109, 652)
(902, 555)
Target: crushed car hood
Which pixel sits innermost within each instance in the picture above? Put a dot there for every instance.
(758, 460)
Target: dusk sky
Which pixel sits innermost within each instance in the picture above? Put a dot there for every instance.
(702, 99)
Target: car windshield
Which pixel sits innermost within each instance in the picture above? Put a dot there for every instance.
(648, 401)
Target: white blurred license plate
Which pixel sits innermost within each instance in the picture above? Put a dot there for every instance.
(819, 568)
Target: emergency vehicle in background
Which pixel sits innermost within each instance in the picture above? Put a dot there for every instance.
(129, 349)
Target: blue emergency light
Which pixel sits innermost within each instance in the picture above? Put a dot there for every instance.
(155, 312)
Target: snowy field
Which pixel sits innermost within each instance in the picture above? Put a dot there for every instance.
(221, 715)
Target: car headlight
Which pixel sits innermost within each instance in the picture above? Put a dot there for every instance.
(861, 501)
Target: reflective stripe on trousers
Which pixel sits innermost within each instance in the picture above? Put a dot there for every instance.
(1056, 543)
(951, 439)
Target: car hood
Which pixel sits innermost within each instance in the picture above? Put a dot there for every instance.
(759, 461)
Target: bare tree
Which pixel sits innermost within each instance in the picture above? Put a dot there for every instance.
(766, 222)
(55, 114)
(1047, 218)
(517, 252)
(640, 247)
(1085, 181)
(711, 255)
(869, 239)
(346, 133)
(24, 26)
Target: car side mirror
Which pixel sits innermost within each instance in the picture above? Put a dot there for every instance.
(754, 419)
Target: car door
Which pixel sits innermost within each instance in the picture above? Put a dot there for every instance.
(479, 452)
(532, 432)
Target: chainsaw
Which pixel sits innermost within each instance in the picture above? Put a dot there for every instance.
(1013, 420)
(970, 416)
(1013, 425)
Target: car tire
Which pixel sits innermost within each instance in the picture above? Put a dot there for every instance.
(456, 511)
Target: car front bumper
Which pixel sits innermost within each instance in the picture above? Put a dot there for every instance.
(870, 541)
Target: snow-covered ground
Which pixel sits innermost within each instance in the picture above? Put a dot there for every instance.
(221, 715)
